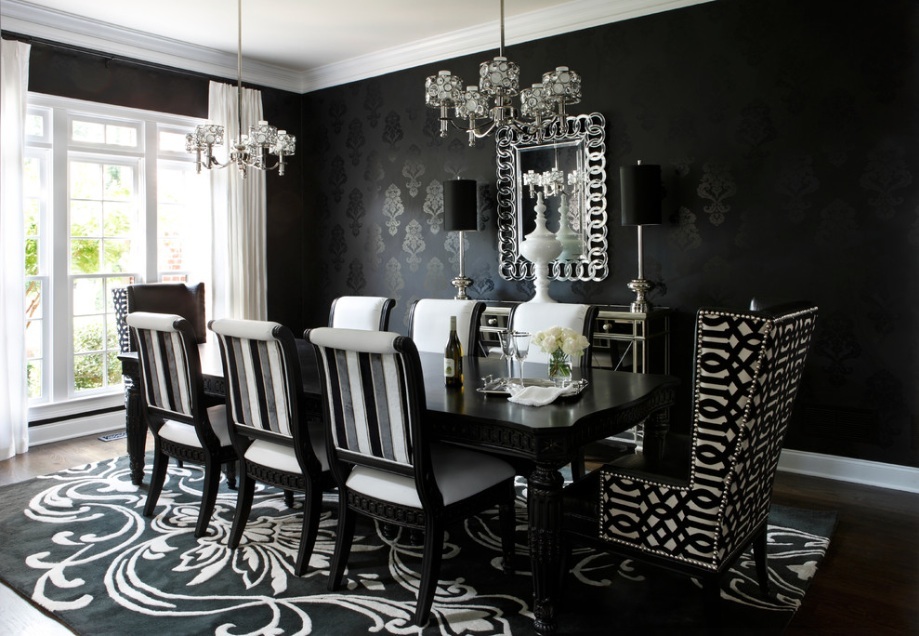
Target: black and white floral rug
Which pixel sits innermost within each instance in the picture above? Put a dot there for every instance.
(76, 544)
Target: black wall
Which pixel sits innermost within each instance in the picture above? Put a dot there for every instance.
(787, 131)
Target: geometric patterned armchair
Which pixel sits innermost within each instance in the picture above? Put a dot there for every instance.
(748, 366)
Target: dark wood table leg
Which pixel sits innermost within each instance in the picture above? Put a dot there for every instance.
(134, 425)
(544, 505)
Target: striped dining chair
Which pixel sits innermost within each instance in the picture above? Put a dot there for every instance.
(173, 405)
(278, 443)
(383, 460)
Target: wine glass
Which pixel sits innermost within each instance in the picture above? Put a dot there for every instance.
(507, 351)
(521, 349)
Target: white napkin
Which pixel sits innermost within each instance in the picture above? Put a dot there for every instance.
(535, 395)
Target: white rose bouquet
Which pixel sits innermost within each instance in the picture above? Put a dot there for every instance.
(561, 343)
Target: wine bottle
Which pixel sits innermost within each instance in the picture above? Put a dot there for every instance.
(453, 358)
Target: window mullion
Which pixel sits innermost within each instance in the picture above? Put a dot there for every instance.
(149, 216)
(61, 305)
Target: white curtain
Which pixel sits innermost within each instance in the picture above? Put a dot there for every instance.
(14, 405)
(239, 216)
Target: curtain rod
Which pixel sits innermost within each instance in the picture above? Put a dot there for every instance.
(108, 57)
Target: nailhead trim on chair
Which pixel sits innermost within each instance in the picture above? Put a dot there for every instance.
(695, 523)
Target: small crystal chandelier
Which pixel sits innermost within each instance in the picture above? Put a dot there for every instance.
(249, 151)
(489, 106)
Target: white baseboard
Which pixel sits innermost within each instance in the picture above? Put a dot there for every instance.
(857, 471)
(76, 427)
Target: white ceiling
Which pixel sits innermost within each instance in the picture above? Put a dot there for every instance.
(303, 45)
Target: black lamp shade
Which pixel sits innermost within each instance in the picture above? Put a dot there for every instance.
(641, 194)
(461, 205)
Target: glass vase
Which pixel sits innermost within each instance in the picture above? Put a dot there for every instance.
(560, 368)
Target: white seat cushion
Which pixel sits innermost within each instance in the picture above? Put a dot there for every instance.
(182, 433)
(460, 473)
(283, 457)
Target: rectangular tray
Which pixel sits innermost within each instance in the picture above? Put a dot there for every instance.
(498, 386)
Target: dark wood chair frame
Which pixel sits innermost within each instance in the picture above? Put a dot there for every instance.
(434, 516)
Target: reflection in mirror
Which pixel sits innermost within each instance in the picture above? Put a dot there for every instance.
(568, 167)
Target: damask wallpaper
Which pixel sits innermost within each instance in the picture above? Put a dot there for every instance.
(787, 135)
(787, 132)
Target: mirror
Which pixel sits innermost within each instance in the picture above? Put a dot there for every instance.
(565, 161)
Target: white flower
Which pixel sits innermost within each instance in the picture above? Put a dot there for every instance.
(560, 339)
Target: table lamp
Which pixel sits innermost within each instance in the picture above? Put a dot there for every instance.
(461, 214)
(641, 205)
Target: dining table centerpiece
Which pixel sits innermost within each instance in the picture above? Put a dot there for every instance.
(562, 344)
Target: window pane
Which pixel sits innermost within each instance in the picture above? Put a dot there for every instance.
(33, 339)
(88, 371)
(111, 334)
(88, 131)
(33, 372)
(118, 219)
(121, 135)
(33, 300)
(32, 212)
(35, 126)
(85, 180)
(87, 334)
(87, 296)
(169, 255)
(117, 255)
(119, 182)
(31, 177)
(32, 257)
(85, 256)
(172, 142)
(114, 369)
(85, 218)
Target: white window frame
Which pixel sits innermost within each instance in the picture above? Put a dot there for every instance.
(59, 400)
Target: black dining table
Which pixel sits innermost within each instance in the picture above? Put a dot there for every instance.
(539, 441)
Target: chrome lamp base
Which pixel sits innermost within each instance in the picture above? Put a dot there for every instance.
(641, 287)
(461, 282)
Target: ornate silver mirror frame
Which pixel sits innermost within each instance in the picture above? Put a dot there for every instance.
(574, 151)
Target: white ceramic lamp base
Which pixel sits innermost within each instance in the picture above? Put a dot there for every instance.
(541, 247)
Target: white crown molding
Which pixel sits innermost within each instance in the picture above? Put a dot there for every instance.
(66, 28)
(564, 18)
(20, 17)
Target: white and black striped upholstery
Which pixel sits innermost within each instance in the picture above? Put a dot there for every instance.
(270, 428)
(748, 367)
(174, 407)
(369, 313)
(429, 323)
(383, 461)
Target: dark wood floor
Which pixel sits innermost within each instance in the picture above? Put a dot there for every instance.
(867, 584)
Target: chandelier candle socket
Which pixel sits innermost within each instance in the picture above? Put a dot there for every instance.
(562, 344)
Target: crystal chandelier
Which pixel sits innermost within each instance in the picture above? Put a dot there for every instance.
(249, 151)
(484, 109)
